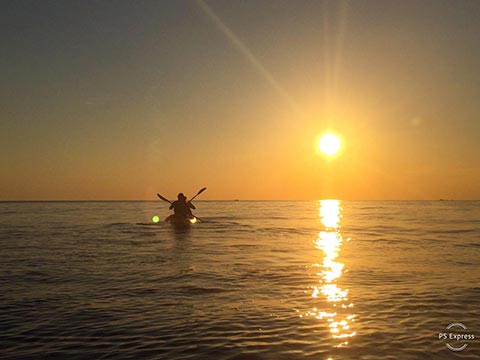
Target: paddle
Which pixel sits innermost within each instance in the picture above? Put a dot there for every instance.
(164, 199)
(199, 192)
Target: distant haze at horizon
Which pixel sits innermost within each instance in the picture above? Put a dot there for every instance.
(120, 101)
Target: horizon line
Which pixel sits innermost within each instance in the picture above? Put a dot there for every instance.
(232, 200)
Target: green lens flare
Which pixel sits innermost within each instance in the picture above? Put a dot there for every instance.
(155, 219)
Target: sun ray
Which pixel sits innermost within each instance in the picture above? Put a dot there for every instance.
(245, 51)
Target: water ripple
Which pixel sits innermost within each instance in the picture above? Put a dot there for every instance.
(101, 281)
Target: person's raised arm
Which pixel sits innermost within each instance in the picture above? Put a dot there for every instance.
(172, 206)
(191, 205)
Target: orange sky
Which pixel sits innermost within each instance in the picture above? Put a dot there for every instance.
(121, 102)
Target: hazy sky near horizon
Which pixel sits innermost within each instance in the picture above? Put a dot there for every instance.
(124, 99)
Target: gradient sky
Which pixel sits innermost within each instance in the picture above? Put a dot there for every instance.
(124, 99)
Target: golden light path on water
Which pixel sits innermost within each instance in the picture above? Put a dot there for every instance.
(338, 312)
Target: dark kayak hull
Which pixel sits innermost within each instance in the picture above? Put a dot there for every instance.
(180, 222)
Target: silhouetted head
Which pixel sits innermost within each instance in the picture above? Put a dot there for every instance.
(180, 196)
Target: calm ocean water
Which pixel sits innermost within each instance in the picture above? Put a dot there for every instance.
(255, 280)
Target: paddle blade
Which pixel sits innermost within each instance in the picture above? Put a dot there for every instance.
(201, 190)
(164, 199)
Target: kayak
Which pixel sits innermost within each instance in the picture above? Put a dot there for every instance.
(180, 221)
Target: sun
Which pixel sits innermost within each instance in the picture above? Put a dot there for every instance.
(329, 144)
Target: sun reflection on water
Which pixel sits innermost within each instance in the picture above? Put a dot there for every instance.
(337, 312)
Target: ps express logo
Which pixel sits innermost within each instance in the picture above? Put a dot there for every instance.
(456, 339)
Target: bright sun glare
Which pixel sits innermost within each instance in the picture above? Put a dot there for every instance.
(329, 144)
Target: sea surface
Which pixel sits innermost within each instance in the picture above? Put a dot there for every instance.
(254, 280)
